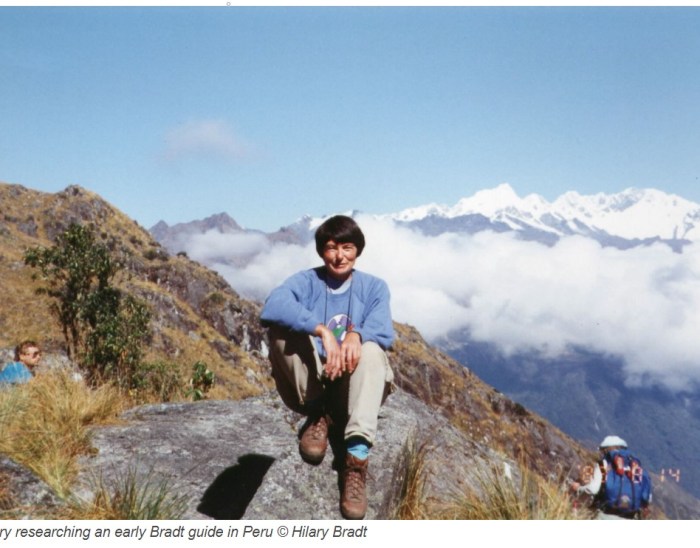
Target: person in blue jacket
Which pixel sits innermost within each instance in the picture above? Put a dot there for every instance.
(329, 329)
(27, 357)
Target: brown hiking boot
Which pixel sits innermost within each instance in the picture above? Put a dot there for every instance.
(314, 439)
(353, 500)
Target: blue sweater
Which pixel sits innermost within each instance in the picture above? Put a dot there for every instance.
(15, 373)
(302, 302)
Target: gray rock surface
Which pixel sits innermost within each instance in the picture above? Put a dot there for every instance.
(22, 494)
(239, 459)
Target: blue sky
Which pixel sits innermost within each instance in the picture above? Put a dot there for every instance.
(271, 113)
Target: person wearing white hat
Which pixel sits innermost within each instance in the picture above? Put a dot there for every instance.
(616, 462)
(611, 442)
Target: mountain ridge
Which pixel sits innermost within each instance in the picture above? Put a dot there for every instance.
(626, 214)
(625, 219)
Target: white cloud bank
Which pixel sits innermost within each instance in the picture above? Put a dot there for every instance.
(212, 245)
(642, 304)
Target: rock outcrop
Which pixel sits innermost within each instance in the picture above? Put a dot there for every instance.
(239, 459)
(22, 493)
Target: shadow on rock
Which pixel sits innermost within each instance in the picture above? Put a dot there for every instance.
(229, 495)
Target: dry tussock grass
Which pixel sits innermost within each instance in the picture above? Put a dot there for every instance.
(499, 495)
(45, 423)
(128, 496)
(525, 496)
(411, 503)
(45, 426)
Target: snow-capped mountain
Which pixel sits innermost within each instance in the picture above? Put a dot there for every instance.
(629, 215)
(626, 219)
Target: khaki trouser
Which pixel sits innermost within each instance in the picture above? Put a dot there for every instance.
(298, 372)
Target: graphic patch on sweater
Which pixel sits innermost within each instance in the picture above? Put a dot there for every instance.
(340, 325)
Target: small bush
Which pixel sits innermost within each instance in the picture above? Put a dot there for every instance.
(156, 255)
(215, 299)
(160, 381)
(201, 381)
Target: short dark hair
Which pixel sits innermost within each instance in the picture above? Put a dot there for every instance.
(22, 347)
(342, 230)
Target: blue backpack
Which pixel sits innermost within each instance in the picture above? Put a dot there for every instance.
(626, 485)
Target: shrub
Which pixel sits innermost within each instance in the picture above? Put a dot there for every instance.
(156, 254)
(201, 381)
(216, 299)
(104, 328)
(159, 380)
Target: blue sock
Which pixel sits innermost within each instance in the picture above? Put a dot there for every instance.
(358, 448)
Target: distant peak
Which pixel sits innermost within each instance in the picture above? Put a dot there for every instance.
(222, 222)
(160, 225)
(488, 201)
(504, 190)
(222, 217)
